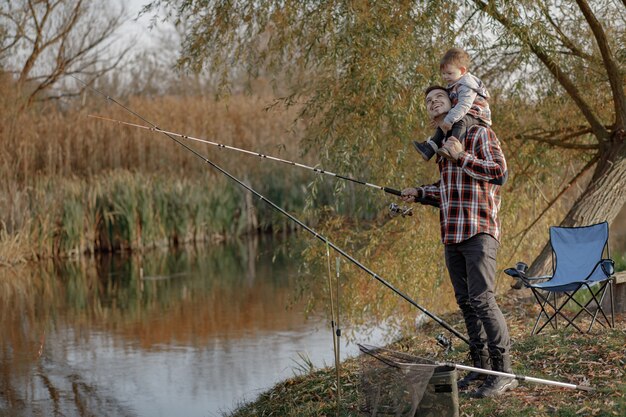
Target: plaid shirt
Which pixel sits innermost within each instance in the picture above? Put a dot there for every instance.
(468, 202)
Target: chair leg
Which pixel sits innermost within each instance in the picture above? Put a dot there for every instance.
(598, 308)
(532, 332)
(542, 301)
(583, 308)
(597, 297)
(612, 303)
(599, 302)
(556, 322)
(552, 318)
(558, 311)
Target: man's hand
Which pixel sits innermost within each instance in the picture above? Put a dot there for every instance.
(453, 148)
(409, 194)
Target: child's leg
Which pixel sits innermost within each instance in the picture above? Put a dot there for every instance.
(437, 140)
(459, 129)
(427, 149)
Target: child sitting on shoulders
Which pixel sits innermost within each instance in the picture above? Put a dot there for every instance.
(469, 103)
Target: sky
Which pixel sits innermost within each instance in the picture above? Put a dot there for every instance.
(138, 28)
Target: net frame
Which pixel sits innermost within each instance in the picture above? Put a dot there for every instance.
(392, 383)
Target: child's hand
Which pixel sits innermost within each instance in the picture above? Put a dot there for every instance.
(445, 126)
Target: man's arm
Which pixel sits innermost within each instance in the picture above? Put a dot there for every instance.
(484, 161)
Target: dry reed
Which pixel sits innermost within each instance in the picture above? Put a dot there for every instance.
(73, 184)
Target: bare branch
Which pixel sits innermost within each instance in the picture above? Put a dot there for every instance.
(51, 38)
(36, 48)
(66, 27)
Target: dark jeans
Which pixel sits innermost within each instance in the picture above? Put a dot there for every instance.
(458, 130)
(472, 268)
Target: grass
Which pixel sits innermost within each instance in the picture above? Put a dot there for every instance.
(597, 359)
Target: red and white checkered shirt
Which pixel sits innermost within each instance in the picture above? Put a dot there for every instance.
(468, 202)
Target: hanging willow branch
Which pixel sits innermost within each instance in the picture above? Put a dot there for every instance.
(573, 181)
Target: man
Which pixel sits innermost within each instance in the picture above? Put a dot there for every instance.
(468, 192)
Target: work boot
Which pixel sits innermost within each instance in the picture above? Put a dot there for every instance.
(425, 149)
(497, 385)
(480, 359)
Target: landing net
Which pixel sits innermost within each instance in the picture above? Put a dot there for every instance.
(392, 383)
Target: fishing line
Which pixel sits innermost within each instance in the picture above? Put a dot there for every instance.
(393, 208)
(291, 217)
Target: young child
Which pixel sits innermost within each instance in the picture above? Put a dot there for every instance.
(469, 103)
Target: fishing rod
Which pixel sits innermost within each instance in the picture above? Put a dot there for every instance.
(398, 360)
(290, 217)
(334, 326)
(515, 376)
(402, 210)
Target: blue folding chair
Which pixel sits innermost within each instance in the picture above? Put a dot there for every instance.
(577, 263)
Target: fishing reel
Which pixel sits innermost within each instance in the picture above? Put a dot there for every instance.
(445, 343)
(396, 210)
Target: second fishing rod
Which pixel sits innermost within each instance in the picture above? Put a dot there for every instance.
(292, 218)
(393, 208)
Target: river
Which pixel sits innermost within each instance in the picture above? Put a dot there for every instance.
(186, 333)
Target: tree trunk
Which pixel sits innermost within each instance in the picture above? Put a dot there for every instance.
(602, 199)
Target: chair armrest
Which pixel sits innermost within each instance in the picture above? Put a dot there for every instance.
(516, 273)
(608, 266)
(539, 277)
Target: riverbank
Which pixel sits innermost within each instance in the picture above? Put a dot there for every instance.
(597, 359)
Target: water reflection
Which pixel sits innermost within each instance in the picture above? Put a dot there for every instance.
(171, 333)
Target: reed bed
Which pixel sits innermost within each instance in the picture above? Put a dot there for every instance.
(125, 211)
(73, 184)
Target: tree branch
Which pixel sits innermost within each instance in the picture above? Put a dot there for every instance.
(66, 35)
(612, 69)
(36, 50)
(561, 142)
(523, 35)
(573, 181)
(66, 27)
(567, 42)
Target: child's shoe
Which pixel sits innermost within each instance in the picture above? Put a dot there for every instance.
(444, 153)
(425, 149)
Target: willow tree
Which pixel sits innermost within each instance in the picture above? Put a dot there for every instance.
(357, 68)
(578, 49)
(352, 68)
